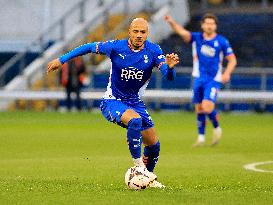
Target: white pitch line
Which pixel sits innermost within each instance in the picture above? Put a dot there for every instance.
(252, 166)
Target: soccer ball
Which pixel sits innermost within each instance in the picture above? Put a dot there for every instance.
(138, 177)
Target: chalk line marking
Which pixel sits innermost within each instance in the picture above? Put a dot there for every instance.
(253, 166)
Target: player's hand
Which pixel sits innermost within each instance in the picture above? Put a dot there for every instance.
(168, 18)
(172, 59)
(53, 65)
(225, 77)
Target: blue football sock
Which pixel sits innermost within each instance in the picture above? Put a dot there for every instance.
(213, 116)
(134, 137)
(151, 154)
(201, 123)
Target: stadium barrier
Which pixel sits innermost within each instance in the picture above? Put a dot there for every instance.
(170, 96)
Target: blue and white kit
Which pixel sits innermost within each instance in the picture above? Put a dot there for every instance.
(208, 57)
(129, 76)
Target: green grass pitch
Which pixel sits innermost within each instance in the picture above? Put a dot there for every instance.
(80, 158)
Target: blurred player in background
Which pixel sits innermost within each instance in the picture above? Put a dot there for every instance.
(72, 78)
(132, 60)
(209, 49)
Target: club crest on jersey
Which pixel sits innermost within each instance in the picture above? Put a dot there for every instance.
(131, 73)
(146, 59)
(161, 56)
(208, 51)
(229, 50)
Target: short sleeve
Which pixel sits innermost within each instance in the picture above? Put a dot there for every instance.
(106, 47)
(159, 57)
(227, 50)
(194, 36)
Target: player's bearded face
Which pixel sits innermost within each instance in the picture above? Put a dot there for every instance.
(138, 35)
(209, 26)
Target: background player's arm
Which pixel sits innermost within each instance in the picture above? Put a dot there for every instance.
(180, 30)
(232, 62)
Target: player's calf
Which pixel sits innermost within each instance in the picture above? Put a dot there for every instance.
(214, 118)
(151, 154)
(201, 125)
(135, 140)
(217, 132)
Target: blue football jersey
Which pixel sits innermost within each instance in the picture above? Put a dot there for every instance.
(131, 69)
(208, 56)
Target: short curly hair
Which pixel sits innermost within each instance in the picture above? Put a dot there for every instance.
(209, 16)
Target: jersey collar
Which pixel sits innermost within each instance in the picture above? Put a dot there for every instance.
(130, 46)
(209, 39)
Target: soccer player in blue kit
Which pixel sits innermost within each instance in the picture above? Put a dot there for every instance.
(208, 50)
(133, 60)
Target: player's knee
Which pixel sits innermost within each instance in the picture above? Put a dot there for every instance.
(152, 150)
(135, 124)
(155, 143)
(207, 109)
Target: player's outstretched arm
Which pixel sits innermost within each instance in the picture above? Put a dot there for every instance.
(180, 30)
(79, 51)
(232, 62)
